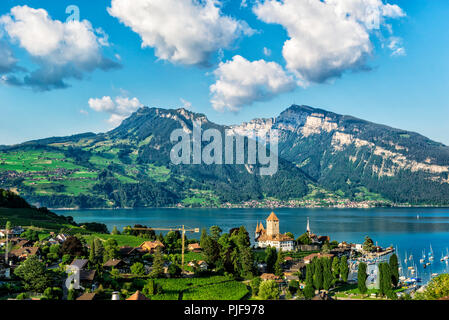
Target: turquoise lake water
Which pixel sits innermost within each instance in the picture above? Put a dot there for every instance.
(411, 230)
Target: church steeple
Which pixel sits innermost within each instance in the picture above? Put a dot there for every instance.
(308, 225)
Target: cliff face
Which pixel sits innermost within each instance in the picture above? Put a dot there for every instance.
(342, 152)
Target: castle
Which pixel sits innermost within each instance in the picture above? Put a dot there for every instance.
(271, 237)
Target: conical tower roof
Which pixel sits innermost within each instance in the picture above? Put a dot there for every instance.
(272, 217)
(138, 296)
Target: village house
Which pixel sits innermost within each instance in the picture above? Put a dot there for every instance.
(21, 254)
(194, 247)
(15, 232)
(201, 265)
(308, 259)
(61, 238)
(118, 264)
(151, 246)
(271, 237)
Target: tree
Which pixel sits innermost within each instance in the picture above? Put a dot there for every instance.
(115, 231)
(255, 284)
(325, 248)
(111, 250)
(327, 274)
(270, 258)
(211, 250)
(278, 265)
(309, 275)
(291, 235)
(385, 286)
(361, 278)
(33, 274)
(293, 286)
(304, 239)
(269, 290)
(309, 292)
(368, 245)
(158, 264)
(215, 232)
(246, 262)
(437, 288)
(53, 293)
(174, 270)
(72, 246)
(203, 238)
(394, 268)
(151, 288)
(336, 268)
(71, 295)
(344, 269)
(138, 269)
(317, 274)
(31, 235)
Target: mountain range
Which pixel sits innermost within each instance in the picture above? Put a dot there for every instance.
(324, 159)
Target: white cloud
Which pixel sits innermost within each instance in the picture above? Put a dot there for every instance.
(266, 51)
(181, 31)
(240, 82)
(119, 108)
(7, 60)
(396, 46)
(326, 37)
(61, 49)
(186, 104)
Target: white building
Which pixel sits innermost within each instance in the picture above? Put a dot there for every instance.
(271, 237)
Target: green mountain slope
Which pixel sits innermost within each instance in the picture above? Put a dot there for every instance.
(322, 155)
(130, 167)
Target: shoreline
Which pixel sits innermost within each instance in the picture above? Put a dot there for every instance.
(265, 207)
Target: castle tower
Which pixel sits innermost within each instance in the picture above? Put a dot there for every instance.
(272, 225)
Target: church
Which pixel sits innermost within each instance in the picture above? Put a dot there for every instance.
(271, 237)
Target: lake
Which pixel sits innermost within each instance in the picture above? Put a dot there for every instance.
(411, 230)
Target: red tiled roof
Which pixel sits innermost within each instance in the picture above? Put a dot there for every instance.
(272, 217)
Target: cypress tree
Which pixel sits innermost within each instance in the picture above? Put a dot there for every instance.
(361, 278)
(336, 268)
(394, 268)
(344, 269)
(278, 266)
(318, 274)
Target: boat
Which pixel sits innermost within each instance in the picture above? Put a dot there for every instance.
(434, 274)
(421, 261)
(446, 257)
(428, 264)
(442, 257)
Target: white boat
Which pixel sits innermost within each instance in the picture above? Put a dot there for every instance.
(442, 257)
(434, 274)
(421, 261)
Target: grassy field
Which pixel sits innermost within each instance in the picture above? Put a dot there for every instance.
(122, 240)
(32, 217)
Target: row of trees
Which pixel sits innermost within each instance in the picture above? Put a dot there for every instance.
(323, 273)
(388, 274)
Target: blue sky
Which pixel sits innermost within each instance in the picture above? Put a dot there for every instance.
(408, 90)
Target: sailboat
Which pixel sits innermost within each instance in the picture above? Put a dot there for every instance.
(405, 260)
(446, 257)
(431, 254)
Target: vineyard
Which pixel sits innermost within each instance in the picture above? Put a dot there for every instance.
(210, 288)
